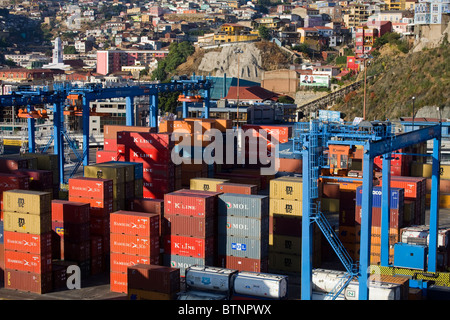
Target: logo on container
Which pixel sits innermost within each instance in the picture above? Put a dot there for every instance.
(21, 223)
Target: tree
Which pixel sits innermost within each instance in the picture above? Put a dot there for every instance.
(70, 50)
(264, 33)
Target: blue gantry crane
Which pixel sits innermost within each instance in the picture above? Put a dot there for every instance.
(57, 97)
(311, 139)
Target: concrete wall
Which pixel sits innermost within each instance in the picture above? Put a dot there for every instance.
(280, 81)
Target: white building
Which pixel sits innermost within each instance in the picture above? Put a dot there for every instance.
(431, 11)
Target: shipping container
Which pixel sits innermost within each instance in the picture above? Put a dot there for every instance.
(206, 184)
(287, 244)
(95, 203)
(244, 247)
(286, 225)
(29, 262)
(137, 294)
(189, 204)
(75, 251)
(31, 243)
(243, 226)
(154, 278)
(39, 179)
(395, 217)
(189, 246)
(11, 163)
(11, 181)
(39, 283)
(110, 131)
(27, 201)
(396, 197)
(147, 205)
(120, 262)
(95, 188)
(183, 262)
(102, 171)
(263, 285)
(244, 264)
(134, 223)
(287, 188)
(285, 207)
(425, 170)
(134, 245)
(255, 206)
(420, 235)
(70, 211)
(72, 232)
(27, 223)
(118, 282)
(237, 188)
(413, 187)
(198, 227)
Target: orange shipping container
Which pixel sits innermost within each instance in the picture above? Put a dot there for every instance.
(25, 242)
(29, 262)
(134, 223)
(134, 245)
(118, 282)
(119, 262)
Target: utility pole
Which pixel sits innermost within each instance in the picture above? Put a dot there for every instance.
(238, 51)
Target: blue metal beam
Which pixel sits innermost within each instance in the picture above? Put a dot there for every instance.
(434, 206)
(129, 110)
(385, 210)
(31, 132)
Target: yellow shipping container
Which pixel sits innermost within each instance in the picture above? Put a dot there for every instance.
(329, 204)
(285, 262)
(27, 201)
(287, 244)
(444, 200)
(116, 174)
(127, 167)
(46, 161)
(27, 223)
(424, 170)
(206, 184)
(285, 207)
(137, 294)
(287, 188)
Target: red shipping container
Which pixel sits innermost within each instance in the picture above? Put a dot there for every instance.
(189, 246)
(98, 264)
(237, 188)
(191, 226)
(413, 186)
(160, 141)
(134, 245)
(11, 181)
(39, 179)
(154, 278)
(147, 205)
(283, 132)
(95, 203)
(134, 223)
(12, 163)
(39, 283)
(99, 225)
(153, 194)
(395, 215)
(70, 211)
(110, 144)
(76, 251)
(94, 188)
(29, 262)
(164, 185)
(97, 245)
(118, 282)
(244, 264)
(119, 262)
(149, 155)
(26, 242)
(75, 232)
(190, 204)
(106, 155)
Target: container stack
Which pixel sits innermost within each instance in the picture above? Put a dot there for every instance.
(243, 230)
(11, 181)
(134, 240)
(349, 230)
(70, 232)
(153, 282)
(153, 150)
(286, 224)
(28, 240)
(397, 197)
(39, 180)
(400, 162)
(424, 170)
(98, 193)
(188, 229)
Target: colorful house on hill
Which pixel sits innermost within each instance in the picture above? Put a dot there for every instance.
(233, 32)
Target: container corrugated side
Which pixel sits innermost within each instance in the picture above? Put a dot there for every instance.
(120, 262)
(198, 227)
(29, 262)
(288, 188)
(39, 283)
(206, 184)
(285, 207)
(154, 278)
(137, 245)
(32, 243)
(243, 226)
(27, 223)
(70, 211)
(189, 204)
(396, 197)
(27, 201)
(244, 264)
(183, 262)
(243, 247)
(189, 246)
(117, 174)
(95, 188)
(134, 223)
(237, 188)
(254, 206)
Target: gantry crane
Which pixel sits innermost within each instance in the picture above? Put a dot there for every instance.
(312, 139)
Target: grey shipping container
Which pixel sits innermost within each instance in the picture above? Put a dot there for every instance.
(243, 205)
(244, 247)
(183, 262)
(243, 226)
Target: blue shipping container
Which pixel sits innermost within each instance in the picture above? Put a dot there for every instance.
(396, 200)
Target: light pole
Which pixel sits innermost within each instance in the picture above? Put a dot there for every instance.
(365, 57)
(413, 114)
(238, 51)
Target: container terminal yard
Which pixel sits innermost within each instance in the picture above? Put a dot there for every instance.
(313, 209)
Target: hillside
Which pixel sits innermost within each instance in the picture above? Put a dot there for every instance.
(397, 78)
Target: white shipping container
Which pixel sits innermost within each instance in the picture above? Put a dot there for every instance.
(210, 278)
(265, 285)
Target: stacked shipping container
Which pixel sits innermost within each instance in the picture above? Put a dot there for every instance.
(243, 231)
(134, 240)
(28, 240)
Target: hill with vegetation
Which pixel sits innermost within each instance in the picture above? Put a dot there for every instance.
(396, 74)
